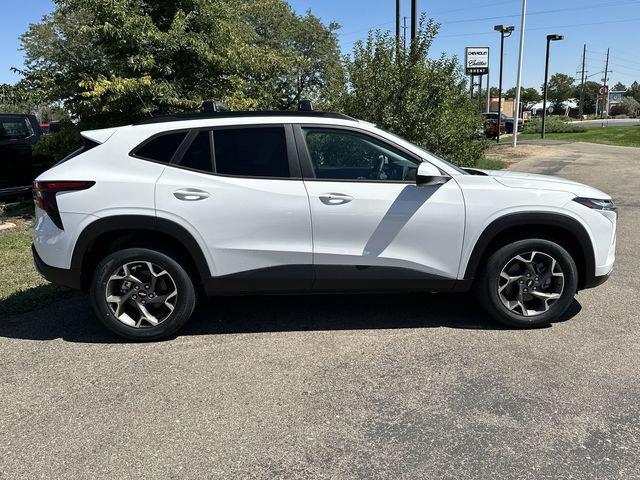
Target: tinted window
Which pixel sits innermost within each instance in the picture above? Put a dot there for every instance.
(198, 155)
(161, 148)
(87, 145)
(14, 128)
(251, 152)
(344, 155)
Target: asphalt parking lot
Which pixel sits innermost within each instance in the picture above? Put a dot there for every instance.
(384, 386)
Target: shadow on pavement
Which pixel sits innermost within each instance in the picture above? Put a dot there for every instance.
(72, 320)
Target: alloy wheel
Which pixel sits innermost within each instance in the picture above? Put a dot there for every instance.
(141, 294)
(530, 283)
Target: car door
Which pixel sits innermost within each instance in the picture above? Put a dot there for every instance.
(373, 226)
(239, 190)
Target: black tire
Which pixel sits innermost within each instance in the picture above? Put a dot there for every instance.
(486, 285)
(176, 319)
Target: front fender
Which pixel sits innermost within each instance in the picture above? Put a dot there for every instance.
(570, 225)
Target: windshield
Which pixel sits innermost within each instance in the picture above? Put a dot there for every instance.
(430, 154)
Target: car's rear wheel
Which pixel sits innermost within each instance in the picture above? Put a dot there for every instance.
(528, 283)
(142, 294)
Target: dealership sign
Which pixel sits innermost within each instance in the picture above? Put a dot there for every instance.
(615, 97)
(477, 60)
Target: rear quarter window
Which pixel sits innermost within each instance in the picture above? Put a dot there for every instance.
(160, 148)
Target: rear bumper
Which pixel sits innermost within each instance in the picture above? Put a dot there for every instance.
(60, 276)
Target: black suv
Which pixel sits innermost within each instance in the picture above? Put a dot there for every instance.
(18, 166)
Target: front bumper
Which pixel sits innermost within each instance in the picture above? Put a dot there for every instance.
(60, 276)
(595, 281)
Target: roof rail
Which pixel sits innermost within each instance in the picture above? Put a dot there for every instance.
(176, 117)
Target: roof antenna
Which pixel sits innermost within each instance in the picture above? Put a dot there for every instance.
(305, 106)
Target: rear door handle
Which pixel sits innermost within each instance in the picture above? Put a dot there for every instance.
(335, 198)
(191, 194)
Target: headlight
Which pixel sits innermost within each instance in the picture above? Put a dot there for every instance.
(596, 204)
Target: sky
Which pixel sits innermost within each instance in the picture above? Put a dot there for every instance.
(601, 24)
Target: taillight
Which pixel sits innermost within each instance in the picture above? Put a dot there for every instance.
(44, 196)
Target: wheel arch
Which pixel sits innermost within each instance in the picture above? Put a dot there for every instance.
(565, 230)
(108, 234)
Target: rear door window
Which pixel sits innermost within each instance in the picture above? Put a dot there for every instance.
(161, 148)
(251, 152)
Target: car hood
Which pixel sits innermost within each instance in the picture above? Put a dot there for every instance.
(544, 182)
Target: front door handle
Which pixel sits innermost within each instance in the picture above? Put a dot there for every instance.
(335, 198)
(191, 194)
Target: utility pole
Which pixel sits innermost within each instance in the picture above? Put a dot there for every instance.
(414, 20)
(516, 113)
(397, 28)
(404, 31)
(505, 31)
(605, 101)
(581, 109)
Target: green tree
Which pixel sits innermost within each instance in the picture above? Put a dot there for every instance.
(17, 98)
(114, 61)
(619, 87)
(630, 106)
(528, 96)
(560, 89)
(422, 99)
(591, 92)
(634, 91)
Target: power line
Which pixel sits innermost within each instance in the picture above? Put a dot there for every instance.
(488, 4)
(616, 64)
(541, 12)
(549, 27)
(373, 27)
(498, 17)
(618, 59)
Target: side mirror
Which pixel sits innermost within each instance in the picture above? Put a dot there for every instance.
(429, 174)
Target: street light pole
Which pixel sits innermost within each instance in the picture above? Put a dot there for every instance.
(488, 94)
(516, 113)
(397, 29)
(550, 38)
(505, 31)
(414, 21)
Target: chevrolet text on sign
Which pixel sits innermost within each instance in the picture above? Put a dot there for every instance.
(477, 60)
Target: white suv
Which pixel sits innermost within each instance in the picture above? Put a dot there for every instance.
(146, 216)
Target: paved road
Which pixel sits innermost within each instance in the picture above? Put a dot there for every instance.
(613, 122)
(406, 386)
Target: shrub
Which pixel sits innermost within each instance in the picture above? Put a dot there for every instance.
(58, 145)
(553, 125)
(631, 106)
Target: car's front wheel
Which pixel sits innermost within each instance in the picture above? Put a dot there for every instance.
(142, 294)
(528, 283)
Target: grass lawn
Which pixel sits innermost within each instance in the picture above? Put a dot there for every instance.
(488, 163)
(21, 288)
(622, 136)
